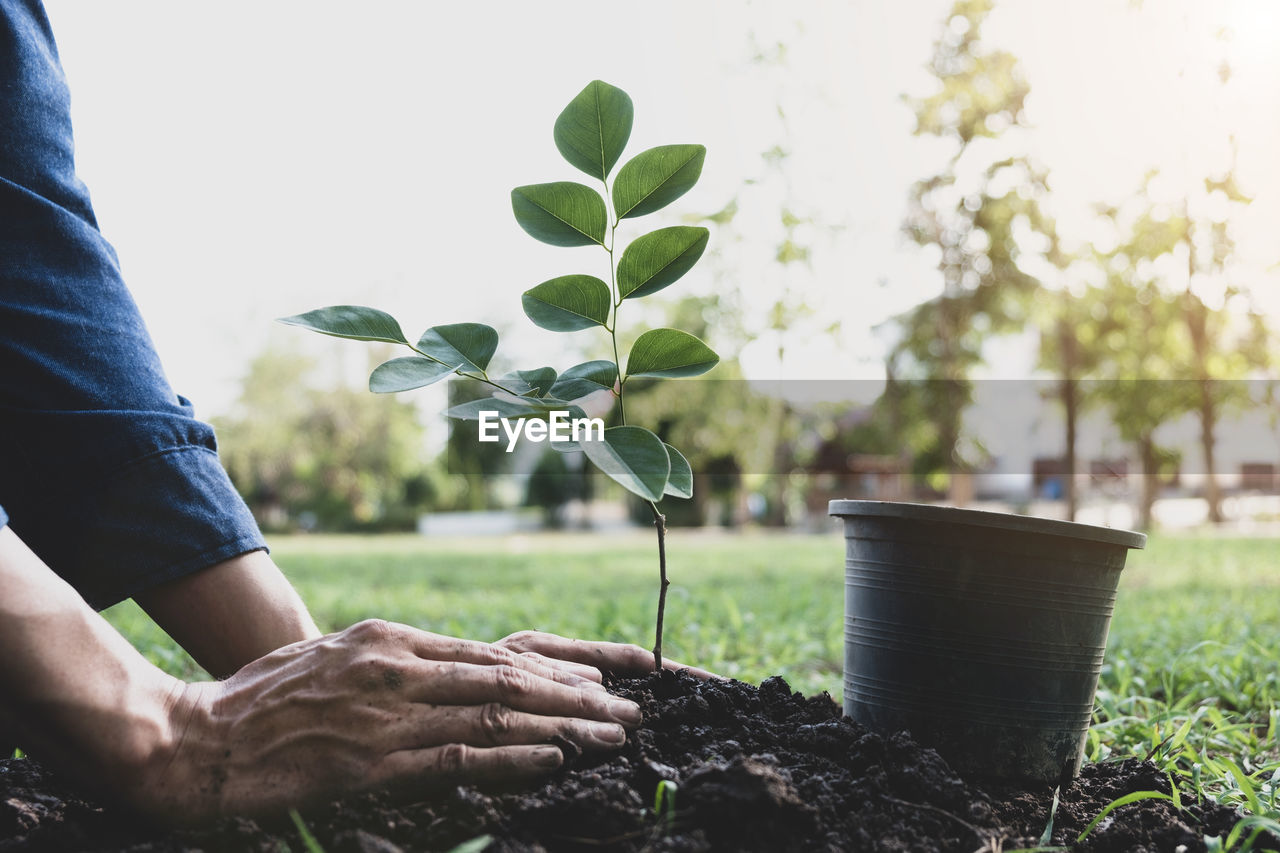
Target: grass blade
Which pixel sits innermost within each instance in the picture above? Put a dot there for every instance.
(1258, 824)
(1246, 785)
(308, 840)
(1117, 803)
(1046, 837)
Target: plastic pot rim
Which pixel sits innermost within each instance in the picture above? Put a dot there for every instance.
(986, 518)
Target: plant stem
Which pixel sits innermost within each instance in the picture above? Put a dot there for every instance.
(486, 380)
(617, 303)
(660, 522)
(481, 378)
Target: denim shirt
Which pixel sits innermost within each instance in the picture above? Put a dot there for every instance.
(104, 471)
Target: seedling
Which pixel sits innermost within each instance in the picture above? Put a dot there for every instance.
(591, 133)
(309, 842)
(664, 802)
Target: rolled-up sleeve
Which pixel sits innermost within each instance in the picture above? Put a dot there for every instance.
(118, 501)
(104, 471)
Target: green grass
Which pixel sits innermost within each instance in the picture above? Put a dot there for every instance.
(749, 607)
(1191, 674)
(1190, 678)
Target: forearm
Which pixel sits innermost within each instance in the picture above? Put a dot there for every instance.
(75, 691)
(232, 613)
(375, 706)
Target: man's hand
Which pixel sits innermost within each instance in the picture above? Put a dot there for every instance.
(586, 657)
(377, 706)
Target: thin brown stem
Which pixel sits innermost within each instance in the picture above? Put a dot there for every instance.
(660, 522)
(481, 378)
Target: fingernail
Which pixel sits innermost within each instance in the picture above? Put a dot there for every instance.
(547, 756)
(608, 733)
(627, 713)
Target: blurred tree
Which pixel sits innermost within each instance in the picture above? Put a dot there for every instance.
(1072, 326)
(1139, 359)
(556, 479)
(981, 215)
(1169, 312)
(336, 458)
(1134, 338)
(722, 425)
(790, 314)
(475, 468)
(1224, 349)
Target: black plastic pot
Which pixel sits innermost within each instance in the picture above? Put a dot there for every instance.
(980, 632)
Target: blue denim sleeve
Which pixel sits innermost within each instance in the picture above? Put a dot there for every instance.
(104, 471)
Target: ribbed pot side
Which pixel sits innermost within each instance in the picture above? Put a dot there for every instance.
(982, 633)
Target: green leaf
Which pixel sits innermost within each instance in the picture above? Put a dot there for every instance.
(1046, 837)
(350, 321)
(568, 303)
(653, 179)
(461, 345)
(634, 458)
(405, 374)
(561, 213)
(308, 840)
(534, 383)
(583, 379)
(671, 353)
(659, 258)
(680, 480)
(476, 845)
(512, 407)
(1133, 797)
(592, 131)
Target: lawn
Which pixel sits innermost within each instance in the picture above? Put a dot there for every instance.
(1190, 680)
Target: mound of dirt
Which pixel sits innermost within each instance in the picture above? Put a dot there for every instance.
(753, 769)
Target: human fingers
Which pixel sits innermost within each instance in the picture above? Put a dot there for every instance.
(427, 646)
(618, 658)
(695, 671)
(409, 771)
(514, 643)
(495, 724)
(469, 684)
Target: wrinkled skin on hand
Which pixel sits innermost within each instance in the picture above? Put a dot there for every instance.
(616, 658)
(383, 706)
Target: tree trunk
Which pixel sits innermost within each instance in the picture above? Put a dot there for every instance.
(1197, 324)
(1069, 390)
(960, 481)
(783, 459)
(1070, 399)
(1150, 481)
(959, 485)
(1197, 317)
(901, 489)
(1208, 428)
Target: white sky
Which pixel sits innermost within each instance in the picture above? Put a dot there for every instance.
(251, 160)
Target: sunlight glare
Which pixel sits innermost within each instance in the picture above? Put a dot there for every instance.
(1253, 31)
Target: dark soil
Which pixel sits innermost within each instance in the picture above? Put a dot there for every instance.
(756, 769)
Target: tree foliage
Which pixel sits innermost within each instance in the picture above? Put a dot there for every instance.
(332, 458)
(1169, 332)
(972, 214)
